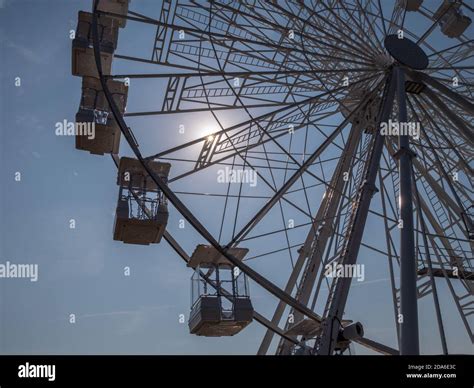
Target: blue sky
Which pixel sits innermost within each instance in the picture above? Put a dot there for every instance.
(81, 270)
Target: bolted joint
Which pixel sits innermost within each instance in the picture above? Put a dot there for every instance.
(369, 186)
(404, 151)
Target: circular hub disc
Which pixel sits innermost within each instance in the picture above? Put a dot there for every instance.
(406, 52)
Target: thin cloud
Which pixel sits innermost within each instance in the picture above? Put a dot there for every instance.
(27, 54)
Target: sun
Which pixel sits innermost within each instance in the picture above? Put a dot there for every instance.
(208, 131)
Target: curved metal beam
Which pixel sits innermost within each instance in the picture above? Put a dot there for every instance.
(171, 196)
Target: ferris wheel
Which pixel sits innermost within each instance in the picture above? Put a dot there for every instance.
(338, 137)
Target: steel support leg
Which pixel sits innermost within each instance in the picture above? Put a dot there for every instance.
(332, 322)
(409, 342)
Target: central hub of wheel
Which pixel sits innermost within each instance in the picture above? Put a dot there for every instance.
(406, 52)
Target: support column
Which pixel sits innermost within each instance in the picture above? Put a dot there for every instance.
(339, 293)
(409, 342)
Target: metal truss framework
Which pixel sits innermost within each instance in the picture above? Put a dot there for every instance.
(275, 66)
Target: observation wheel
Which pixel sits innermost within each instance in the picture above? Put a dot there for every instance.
(319, 152)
